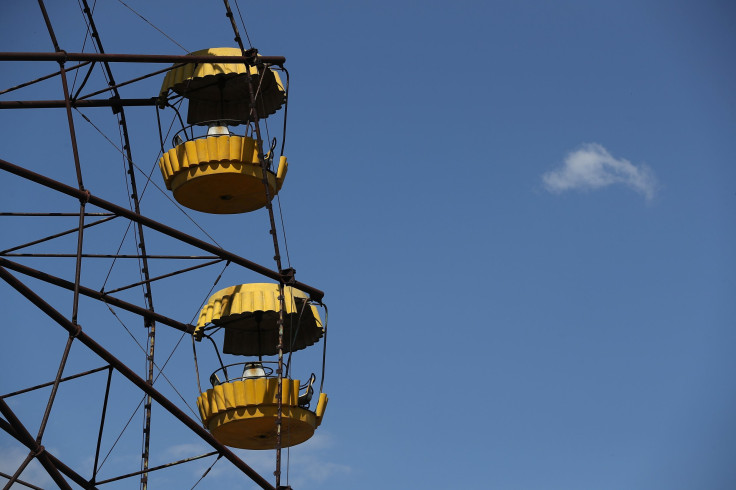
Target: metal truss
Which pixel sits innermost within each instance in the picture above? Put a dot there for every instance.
(11, 422)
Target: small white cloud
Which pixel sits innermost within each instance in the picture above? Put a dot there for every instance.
(11, 459)
(309, 464)
(310, 467)
(187, 450)
(592, 167)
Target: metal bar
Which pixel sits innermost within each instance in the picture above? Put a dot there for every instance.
(277, 255)
(84, 81)
(128, 82)
(21, 482)
(56, 104)
(188, 269)
(38, 450)
(70, 473)
(55, 214)
(160, 467)
(63, 233)
(82, 202)
(314, 293)
(46, 77)
(55, 388)
(97, 295)
(44, 385)
(49, 28)
(138, 58)
(123, 369)
(78, 264)
(111, 256)
(80, 232)
(141, 244)
(102, 422)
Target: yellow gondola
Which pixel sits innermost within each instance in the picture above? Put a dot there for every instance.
(221, 173)
(240, 409)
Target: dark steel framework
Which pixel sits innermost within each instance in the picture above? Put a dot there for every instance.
(11, 423)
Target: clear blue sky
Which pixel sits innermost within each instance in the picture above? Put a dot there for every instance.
(522, 215)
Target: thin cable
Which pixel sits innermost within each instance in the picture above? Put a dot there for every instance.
(286, 109)
(324, 349)
(219, 358)
(294, 334)
(242, 22)
(117, 252)
(283, 145)
(160, 369)
(181, 121)
(127, 188)
(41, 79)
(121, 434)
(227, 264)
(149, 180)
(207, 471)
(196, 364)
(283, 230)
(151, 24)
(86, 36)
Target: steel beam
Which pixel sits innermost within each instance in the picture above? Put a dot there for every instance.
(73, 475)
(77, 332)
(62, 57)
(314, 293)
(91, 293)
(22, 434)
(84, 103)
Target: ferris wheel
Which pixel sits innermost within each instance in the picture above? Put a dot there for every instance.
(123, 280)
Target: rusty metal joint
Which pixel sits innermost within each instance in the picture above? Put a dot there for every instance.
(87, 195)
(77, 330)
(39, 450)
(64, 57)
(115, 104)
(252, 55)
(288, 276)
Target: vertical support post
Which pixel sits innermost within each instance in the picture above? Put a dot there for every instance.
(80, 232)
(141, 243)
(123, 369)
(277, 255)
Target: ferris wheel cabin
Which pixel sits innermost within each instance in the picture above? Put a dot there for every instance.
(240, 409)
(220, 172)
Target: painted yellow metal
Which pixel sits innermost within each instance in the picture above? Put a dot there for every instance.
(321, 407)
(219, 174)
(219, 91)
(243, 413)
(250, 312)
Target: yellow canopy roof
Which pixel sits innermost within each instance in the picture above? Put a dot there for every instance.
(219, 91)
(250, 312)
